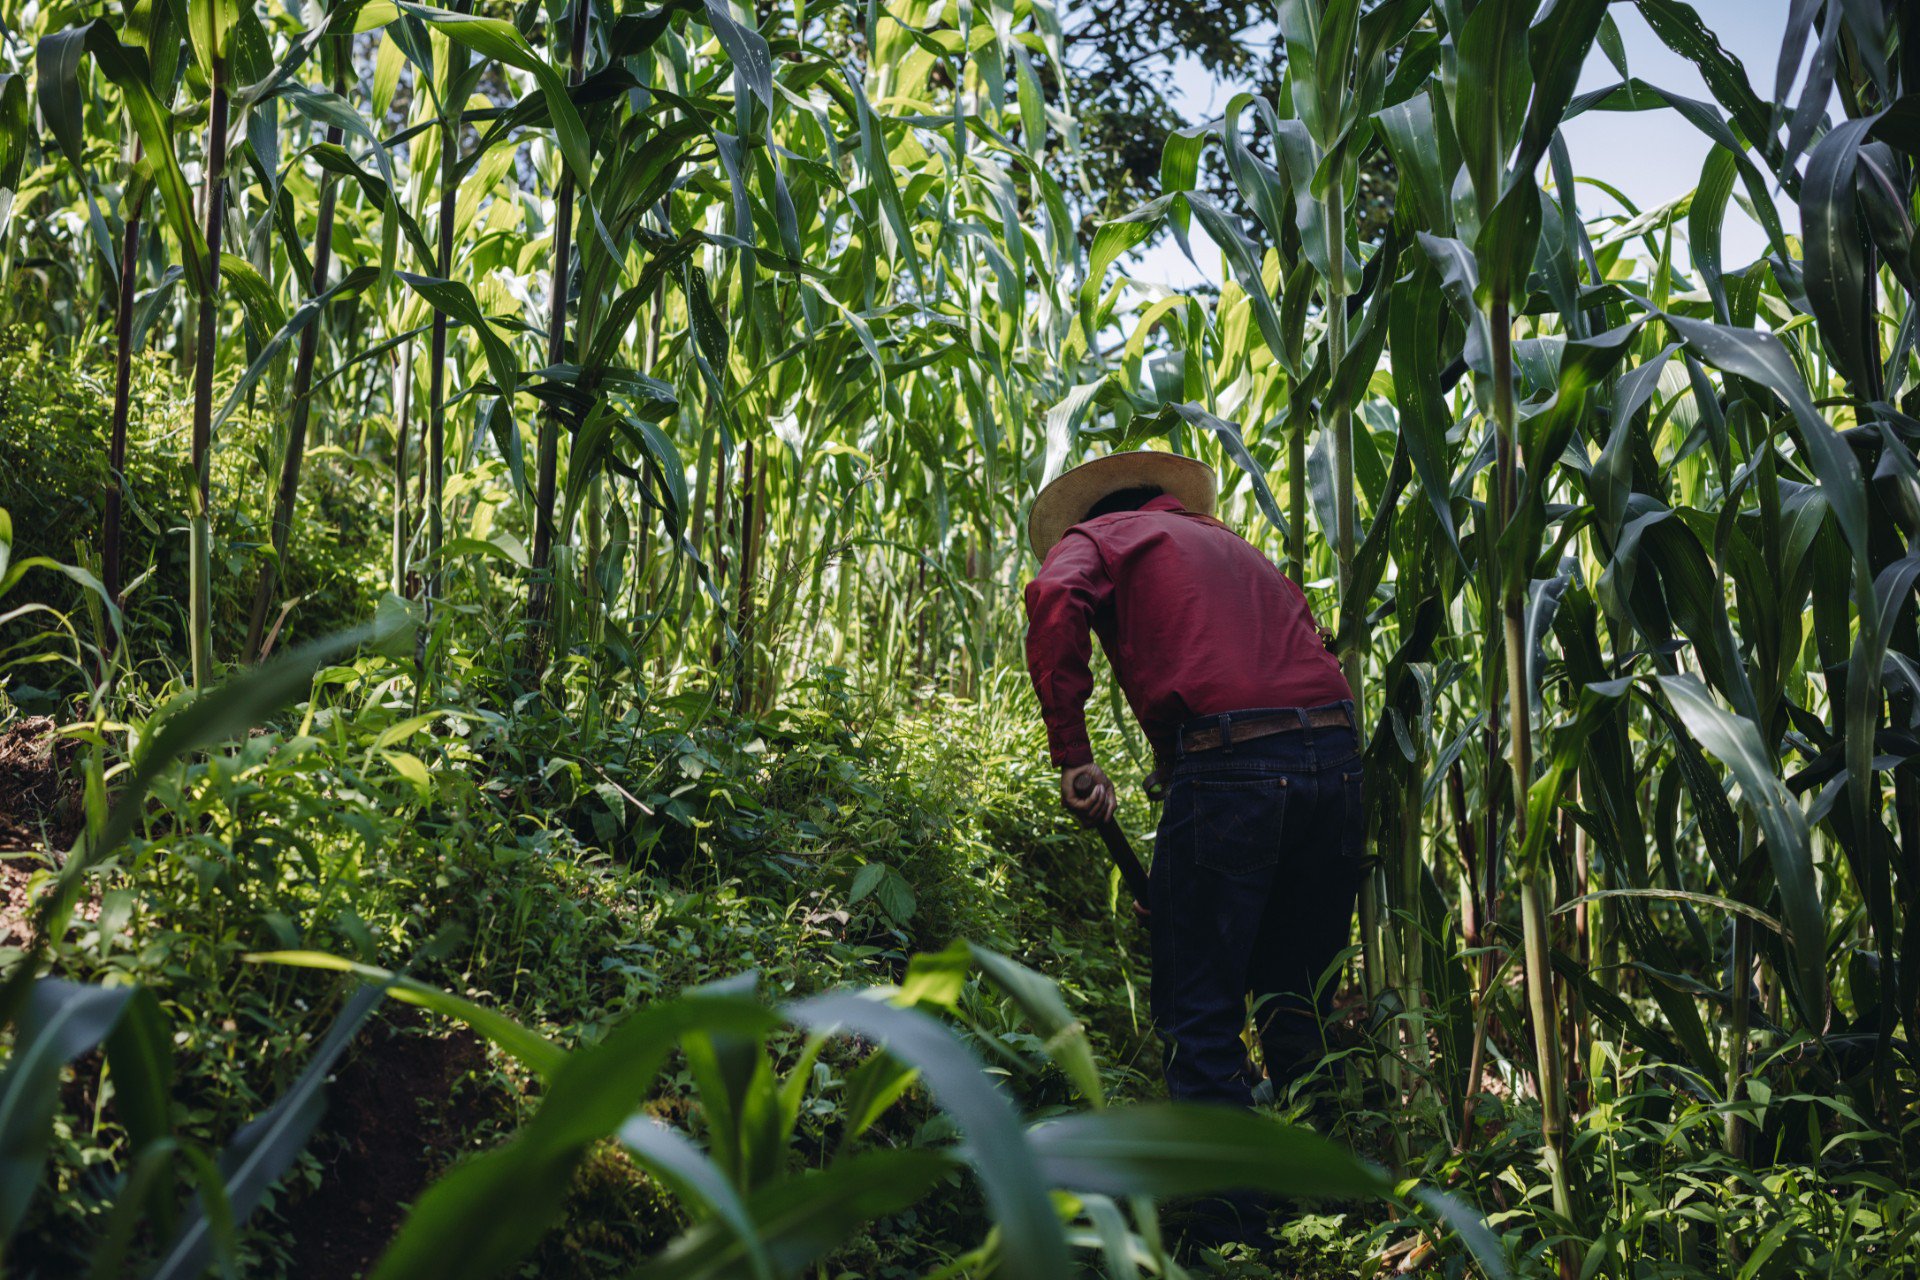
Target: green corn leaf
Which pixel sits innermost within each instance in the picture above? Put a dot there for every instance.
(532, 1050)
(1705, 218)
(801, 1218)
(752, 60)
(140, 1058)
(1543, 604)
(386, 74)
(1110, 240)
(1180, 157)
(60, 98)
(1838, 276)
(1888, 222)
(873, 1086)
(1695, 596)
(1245, 260)
(211, 26)
(1370, 561)
(1180, 1150)
(1620, 1015)
(14, 125)
(1761, 358)
(663, 462)
(1490, 91)
(1416, 327)
(335, 158)
(270, 350)
(1261, 185)
(1735, 742)
(1505, 246)
(1064, 1037)
(1350, 381)
(152, 123)
(457, 302)
(1016, 1193)
(879, 169)
(256, 297)
(1409, 130)
(667, 1155)
(1679, 27)
(481, 1218)
(587, 459)
(332, 109)
(266, 1148)
(1460, 285)
(1235, 445)
(1728, 905)
(62, 1021)
(1638, 95)
(1557, 51)
(1116, 1241)
(1610, 482)
(502, 42)
(146, 1193)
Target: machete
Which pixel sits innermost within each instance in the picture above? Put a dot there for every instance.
(1118, 847)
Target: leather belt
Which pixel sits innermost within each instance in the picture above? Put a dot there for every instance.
(1210, 739)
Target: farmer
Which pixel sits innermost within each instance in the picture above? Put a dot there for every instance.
(1258, 856)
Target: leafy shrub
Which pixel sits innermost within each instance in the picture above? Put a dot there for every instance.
(55, 420)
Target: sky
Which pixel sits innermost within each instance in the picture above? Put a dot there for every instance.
(1650, 156)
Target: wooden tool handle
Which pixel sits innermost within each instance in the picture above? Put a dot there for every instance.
(1118, 846)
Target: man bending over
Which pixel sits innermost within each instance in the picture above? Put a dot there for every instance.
(1258, 857)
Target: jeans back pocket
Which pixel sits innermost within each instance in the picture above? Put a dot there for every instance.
(1237, 822)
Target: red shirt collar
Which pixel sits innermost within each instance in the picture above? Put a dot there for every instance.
(1165, 502)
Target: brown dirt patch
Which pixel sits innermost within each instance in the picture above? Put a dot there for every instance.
(41, 803)
(16, 908)
(397, 1114)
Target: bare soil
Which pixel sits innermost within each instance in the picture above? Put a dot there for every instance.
(40, 791)
(404, 1106)
(16, 909)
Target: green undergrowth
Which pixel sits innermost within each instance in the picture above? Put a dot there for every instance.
(56, 410)
(566, 878)
(569, 868)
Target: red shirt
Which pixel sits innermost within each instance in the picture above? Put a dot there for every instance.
(1193, 618)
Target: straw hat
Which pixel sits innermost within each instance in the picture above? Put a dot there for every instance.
(1066, 501)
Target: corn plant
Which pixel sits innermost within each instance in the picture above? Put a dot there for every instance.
(1656, 454)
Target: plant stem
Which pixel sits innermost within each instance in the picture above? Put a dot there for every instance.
(1297, 498)
(1740, 1005)
(1340, 422)
(112, 551)
(1539, 968)
(205, 355)
(403, 375)
(436, 461)
(1546, 1043)
(540, 598)
(743, 616)
(296, 449)
(1476, 911)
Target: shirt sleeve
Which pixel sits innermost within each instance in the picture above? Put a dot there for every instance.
(1071, 588)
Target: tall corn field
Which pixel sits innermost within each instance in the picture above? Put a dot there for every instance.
(672, 363)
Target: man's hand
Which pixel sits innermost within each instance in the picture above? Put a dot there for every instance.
(1088, 795)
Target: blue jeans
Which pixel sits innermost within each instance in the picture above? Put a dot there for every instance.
(1256, 867)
